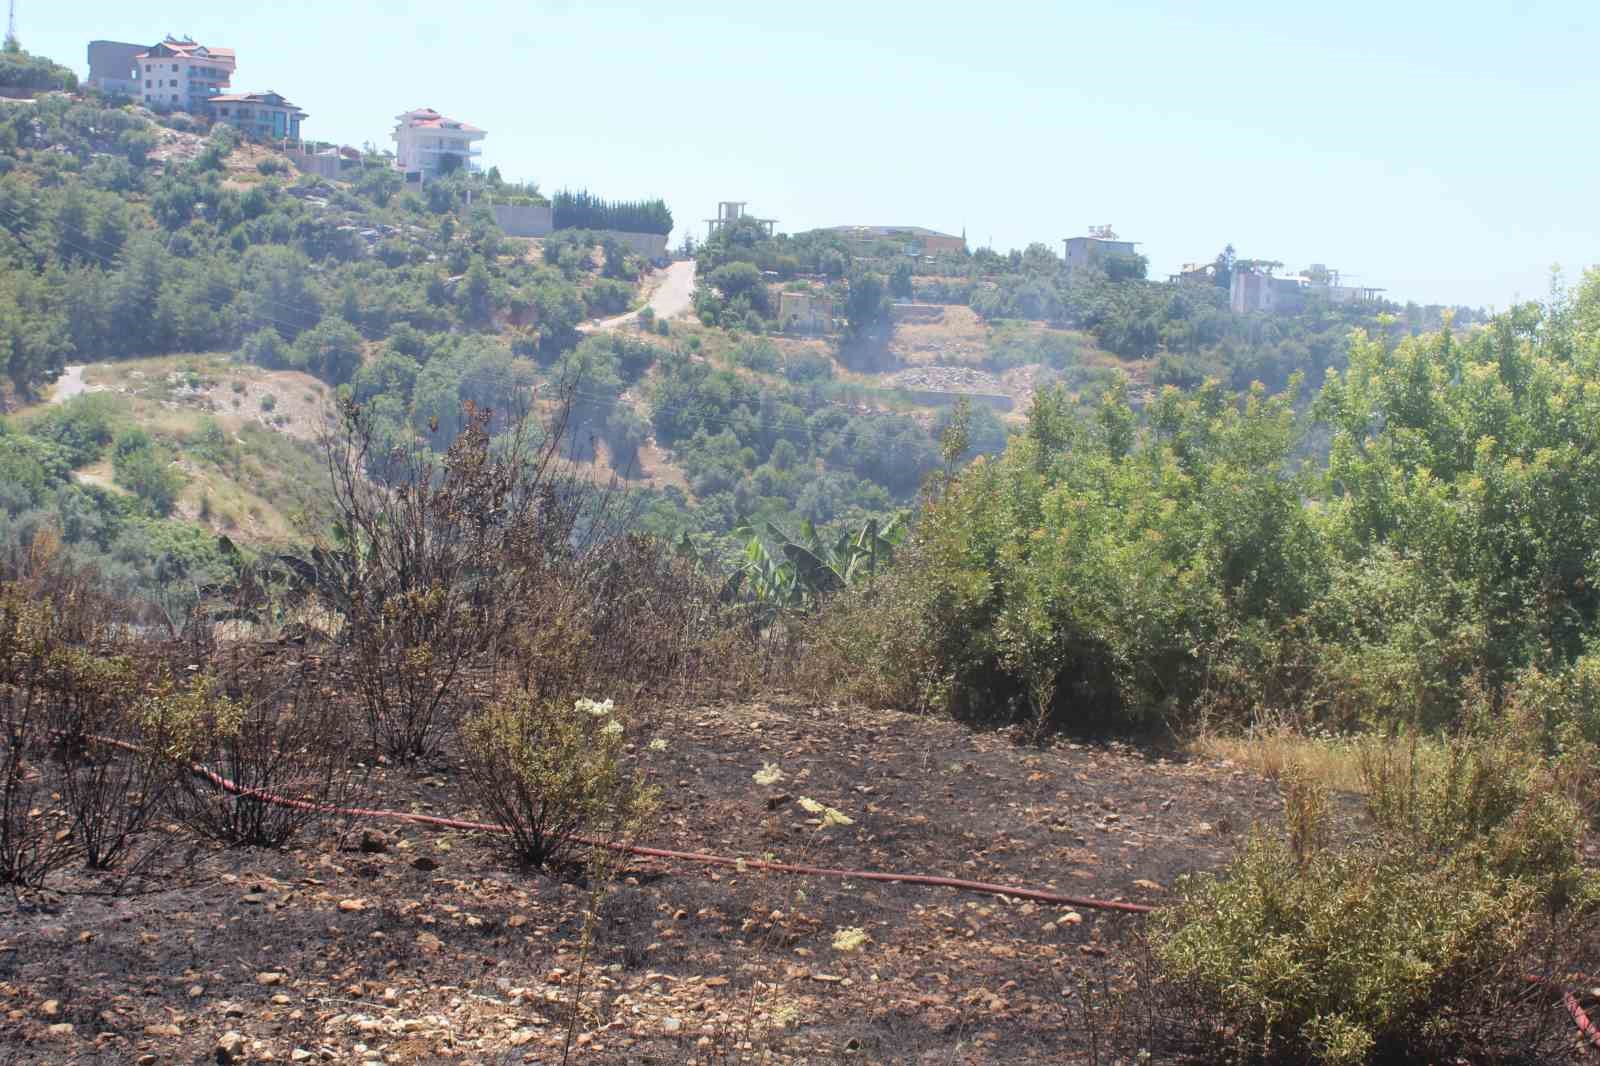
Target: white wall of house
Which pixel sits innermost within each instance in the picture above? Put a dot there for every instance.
(182, 82)
(421, 142)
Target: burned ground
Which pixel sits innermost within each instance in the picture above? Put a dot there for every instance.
(430, 946)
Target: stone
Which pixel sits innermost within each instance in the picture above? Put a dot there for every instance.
(352, 905)
(300, 1054)
(50, 1008)
(230, 1048)
(269, 978)
(671, 1025)
(166, 1029)
(61, 1029)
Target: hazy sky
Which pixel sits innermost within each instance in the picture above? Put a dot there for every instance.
(1446, 152)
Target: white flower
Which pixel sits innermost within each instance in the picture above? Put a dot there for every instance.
(658, 744)
(612, 728)
(599, 710)
(768, 775)
(850, 938)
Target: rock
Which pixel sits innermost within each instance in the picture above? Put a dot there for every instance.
(269, 978)
(147, 1060)
(50, 1008)
(425, 864)
(352, 905)
(167, 1030)
(374, 841)
(300, 1054)
(60, 1029)
(196, 991)
(671, 1025)
(230, 1048)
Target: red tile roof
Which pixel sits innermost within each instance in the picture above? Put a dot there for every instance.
(429, 119)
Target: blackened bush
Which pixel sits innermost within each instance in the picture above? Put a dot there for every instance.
(285, 738)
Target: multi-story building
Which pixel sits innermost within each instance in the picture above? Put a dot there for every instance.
(428, 144)
(182, 75)
(266, 116)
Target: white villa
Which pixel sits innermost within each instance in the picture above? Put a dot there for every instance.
(428, 144)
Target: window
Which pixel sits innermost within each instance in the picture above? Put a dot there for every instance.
(174, 66)
(148, 67)
(147, 83)
(174, 84)
(224, 112)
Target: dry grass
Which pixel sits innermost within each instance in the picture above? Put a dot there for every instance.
(1335, 762)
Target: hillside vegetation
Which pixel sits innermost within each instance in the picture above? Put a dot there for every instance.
(354, 701)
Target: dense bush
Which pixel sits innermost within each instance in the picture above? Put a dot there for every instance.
(1407, 947)
(582, 210)
(1113, 569)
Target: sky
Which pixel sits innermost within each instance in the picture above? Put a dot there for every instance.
(1443, 152)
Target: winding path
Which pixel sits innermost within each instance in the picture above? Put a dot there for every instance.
(69, 384)
(673, 295)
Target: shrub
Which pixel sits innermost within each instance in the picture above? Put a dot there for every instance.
(435, 565)
(285, 738)
(550, 770)
(117, 778)
(34, 840)
(1400, 947)
(145, 469)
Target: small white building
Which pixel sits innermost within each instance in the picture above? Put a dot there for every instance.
(428, 144)
(182, 75)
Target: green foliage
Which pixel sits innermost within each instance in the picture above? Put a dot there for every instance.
(19, 70)
(1395, 948)
(583, 210)
(145, 469)
(551, 770)
(867, 304)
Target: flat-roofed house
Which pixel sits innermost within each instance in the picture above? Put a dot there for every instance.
(265, 116)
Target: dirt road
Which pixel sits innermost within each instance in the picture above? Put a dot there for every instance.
(673, 295)
(69, 384)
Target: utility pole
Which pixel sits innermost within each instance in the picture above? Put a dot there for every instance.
(11, 24)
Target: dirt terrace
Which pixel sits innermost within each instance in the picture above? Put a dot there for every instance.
(413, 945)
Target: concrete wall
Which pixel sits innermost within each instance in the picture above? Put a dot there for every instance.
(915, 312)
(649, 245)
(1081, 251)
(113, 68)
(324, 166)
(526, 221)
(805, 312)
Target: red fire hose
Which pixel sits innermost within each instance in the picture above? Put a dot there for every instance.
(1586, 1027)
